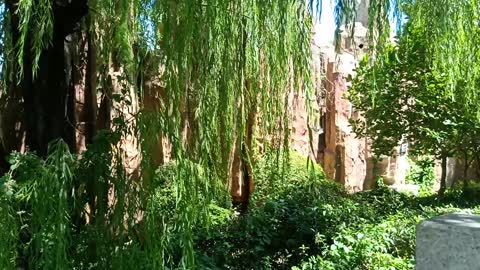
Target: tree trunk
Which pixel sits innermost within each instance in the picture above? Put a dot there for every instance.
(48, 106)
(465, 172)
(12, 129)
(241, 173)
(443, 179)
(49, 96)
(241, 182)
(3, 161)
(88, 114)
(476, 161)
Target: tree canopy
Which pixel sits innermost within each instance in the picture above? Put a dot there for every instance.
(408, 93)
(216, 60)
(220, 65)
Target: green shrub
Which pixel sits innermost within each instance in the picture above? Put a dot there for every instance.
(297, 218)
(300, 214)
(422, 173)
(8, 225)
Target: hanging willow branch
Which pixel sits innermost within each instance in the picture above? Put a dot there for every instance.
(219, 60)
(451, 26)
(222, 59)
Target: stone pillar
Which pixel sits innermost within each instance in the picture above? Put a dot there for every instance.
(449, 242)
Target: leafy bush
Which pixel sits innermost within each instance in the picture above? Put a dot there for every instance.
(301, 220)
(422, 173)
(370, 246)
(296, 218)
(292, 216)
(8, 225)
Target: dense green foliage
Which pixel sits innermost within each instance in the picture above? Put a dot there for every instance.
(422, 173)
(220, 61)
(305, 221)
(448, 32)
(403, 99)
(308, 222)
(405, 95)
(297, 218)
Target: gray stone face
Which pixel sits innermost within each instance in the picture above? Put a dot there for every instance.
(450, 242)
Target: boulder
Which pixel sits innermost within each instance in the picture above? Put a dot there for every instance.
(449, 242)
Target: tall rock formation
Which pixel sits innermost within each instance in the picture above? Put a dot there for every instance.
(344, 157)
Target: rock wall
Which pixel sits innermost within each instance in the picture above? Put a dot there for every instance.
(299, 130)
(345, 158)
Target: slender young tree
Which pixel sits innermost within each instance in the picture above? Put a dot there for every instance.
(405, 95)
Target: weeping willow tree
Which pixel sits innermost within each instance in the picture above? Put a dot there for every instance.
(76, 70)
(452, 31)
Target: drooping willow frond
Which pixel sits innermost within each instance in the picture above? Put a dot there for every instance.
(39, 12)
(220, 62)
(451, 26)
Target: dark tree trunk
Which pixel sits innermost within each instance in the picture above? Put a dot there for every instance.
(3, 161)
(49, 96)
(465, 172)
(90, 88)
(443, 179)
